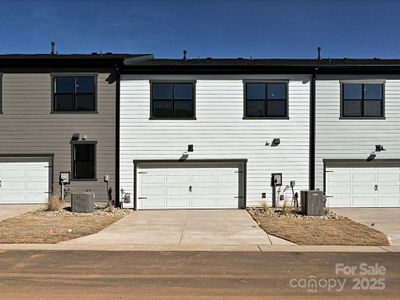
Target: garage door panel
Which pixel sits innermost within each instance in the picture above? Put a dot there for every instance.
(152, 190)
(176, 191)
(203, 202)
(227, 201)
(24, 182)
(388, 189)
(210, 187)
(203, 190)
(388, 201)
(177, 171)
(152, 179)
(338, 177)
(339, 201)
(363, 188)
(366, 187)
(339, 188)
(387, 178)
(178, 202)
(13, 185)
(153, 202)
(36, 186)
(363, 177)
(178, 179)
(364, 201)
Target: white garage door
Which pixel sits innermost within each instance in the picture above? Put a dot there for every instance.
(198, 187)
(363, 187)
(24, 182)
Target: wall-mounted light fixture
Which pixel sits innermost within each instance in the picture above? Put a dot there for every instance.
(379, 148)
(371, 156)
(75, 137)
(190, 148)
(275, 142)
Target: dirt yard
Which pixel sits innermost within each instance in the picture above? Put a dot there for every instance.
(326, 230)
(43, 227)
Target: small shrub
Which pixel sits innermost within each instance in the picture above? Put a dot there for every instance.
(54, 203)
(287, 208)
(264, 205)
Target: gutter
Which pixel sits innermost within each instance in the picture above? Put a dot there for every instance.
(117, 124)
(312, 132)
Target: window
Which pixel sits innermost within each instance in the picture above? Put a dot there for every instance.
(172, 100)
(362, 100)
(266, 100)
(1, 93)
(84, 160)
(74, 93)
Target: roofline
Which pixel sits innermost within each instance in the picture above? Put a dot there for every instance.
(21, 61)
(246, 69)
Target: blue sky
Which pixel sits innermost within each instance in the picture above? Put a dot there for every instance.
(205, 28)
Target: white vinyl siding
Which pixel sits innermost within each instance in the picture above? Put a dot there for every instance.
(354, 138)
(219, 131)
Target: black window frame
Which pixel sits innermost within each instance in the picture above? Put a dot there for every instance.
(362, 83)
(266, 82)
(173, 82)
(74, 75)
(73, 144)
(1, 93)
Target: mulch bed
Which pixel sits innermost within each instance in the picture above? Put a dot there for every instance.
(329, 229)
(50, 227)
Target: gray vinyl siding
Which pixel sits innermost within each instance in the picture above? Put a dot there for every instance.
(28, 127)
(356, 138)
(219, 132)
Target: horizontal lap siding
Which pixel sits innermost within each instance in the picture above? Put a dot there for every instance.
(354, 139)
(218, 133)
(27, 126)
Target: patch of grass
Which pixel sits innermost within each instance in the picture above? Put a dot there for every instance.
(31, 228)
(318, 231)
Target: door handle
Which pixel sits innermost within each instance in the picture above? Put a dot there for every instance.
(190, 188)
(376, 187)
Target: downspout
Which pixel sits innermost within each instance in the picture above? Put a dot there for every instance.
(312, 132)
(117, 124)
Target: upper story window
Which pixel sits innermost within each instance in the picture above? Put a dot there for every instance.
(266, 100)
(84, 160)
(361, 100)
(172, 100)
(1, 93)
(74, 93)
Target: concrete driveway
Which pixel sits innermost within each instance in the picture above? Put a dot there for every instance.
(386, 220)
(9, 211)
(189, 229)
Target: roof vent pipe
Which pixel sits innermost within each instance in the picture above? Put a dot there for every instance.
(184, 54)
(319, 53)
(53, 48)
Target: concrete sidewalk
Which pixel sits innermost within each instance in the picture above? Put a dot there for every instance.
(183, 228)
(10, 210)
(198, 248)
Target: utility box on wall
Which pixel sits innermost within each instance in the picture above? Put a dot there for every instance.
(312, 203)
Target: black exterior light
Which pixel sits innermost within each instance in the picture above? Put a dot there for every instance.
(75, 137)
(379, 148)
(371, 156)
(190, 148)
(275, 142)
